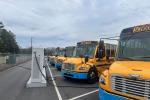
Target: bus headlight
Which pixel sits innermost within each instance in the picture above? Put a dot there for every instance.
(102, 80)
(83, 68)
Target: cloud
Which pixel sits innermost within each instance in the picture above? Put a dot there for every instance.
(65, 22)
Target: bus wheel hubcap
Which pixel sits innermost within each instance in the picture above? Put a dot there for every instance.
(92, 75)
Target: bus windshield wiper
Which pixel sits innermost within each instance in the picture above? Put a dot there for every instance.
(144, 57)
(126, 58)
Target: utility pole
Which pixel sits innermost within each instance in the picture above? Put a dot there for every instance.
(31, 42)
(31, 45)
(1, 25)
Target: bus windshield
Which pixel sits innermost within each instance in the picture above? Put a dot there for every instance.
(70, 52)
(135, 47)
(61, 53)
(85, 50)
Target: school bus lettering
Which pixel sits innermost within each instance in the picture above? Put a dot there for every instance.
(145, 28)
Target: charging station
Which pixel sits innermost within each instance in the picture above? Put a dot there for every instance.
(38, 73)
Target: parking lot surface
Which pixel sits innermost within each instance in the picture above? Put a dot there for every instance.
(74, 89)
(13, 86)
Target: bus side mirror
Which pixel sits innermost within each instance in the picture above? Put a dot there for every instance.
(100, 54)
(86, 59)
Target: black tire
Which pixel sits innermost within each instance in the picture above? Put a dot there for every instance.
(59, 69)
(92, 76)
(67, 78)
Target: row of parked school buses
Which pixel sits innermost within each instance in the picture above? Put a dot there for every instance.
(123, 69)
(83, 60)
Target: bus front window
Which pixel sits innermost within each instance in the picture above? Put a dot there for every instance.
(80, 51)
(87, 50)
(135, 46)
(61, 53)
(69, 52)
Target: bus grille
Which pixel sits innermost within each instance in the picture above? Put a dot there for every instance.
(140, 88)
(69, 66)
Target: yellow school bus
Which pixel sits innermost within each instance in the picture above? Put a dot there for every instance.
(52, 56)
(67, 53)
(60, 57)
(85, 64)
(129, 76)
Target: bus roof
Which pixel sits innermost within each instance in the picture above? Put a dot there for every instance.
(87, 43)
(136, 29)
(70, 47)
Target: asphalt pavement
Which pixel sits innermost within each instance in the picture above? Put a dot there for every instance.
(71, 88)
(13, 86)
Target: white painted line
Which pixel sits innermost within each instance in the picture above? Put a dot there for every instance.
(83, 95)
(53, 68)
(57, 91)
(57, 75)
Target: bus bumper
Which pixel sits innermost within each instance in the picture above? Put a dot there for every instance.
(103, 95)
(74, 75)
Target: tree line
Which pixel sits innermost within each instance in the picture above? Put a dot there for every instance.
(8, 42)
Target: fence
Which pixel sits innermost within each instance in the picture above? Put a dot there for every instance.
(14, 58)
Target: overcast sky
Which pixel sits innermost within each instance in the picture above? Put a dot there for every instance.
(65, 22)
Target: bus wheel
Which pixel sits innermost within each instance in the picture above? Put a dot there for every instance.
(92, 76)
(67, 78)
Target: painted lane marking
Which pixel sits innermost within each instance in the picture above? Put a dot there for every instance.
(57, 75)
(77, 97)
(57, 91)
(53, 68)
